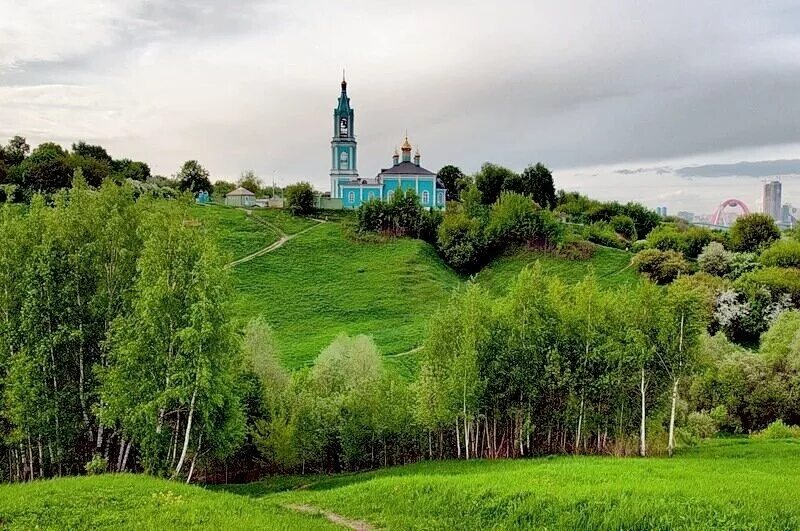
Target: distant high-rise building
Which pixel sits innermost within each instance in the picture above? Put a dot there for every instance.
(662, 211)
(772, 200)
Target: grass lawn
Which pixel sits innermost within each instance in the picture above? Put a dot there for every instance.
(737, 484)
(127, 501)
(283, 220)
(733, 484)
(233, 229)
(322, 284)
(609, 265)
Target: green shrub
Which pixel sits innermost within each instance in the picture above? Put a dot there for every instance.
(701, 424)
(97, 465)
(299, 198)
(715, 260)
(602, 233)
(776, 280)
(782, 253)
(661, 266)
(753, 232)
(666, 238)
(778, 430)
(461, 242)
(624, 226)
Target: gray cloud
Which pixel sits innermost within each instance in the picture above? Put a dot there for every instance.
(574, 84)
(761, 168)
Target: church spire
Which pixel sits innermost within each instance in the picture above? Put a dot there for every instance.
(344, 82)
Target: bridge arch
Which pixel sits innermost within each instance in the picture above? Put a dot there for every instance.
(718, 217)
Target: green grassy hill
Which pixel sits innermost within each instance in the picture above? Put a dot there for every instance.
(611, 266)
(319, 283)
(734, 484)
(233, 229)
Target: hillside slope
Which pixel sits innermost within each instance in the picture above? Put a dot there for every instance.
(734, 484)
(322, 284)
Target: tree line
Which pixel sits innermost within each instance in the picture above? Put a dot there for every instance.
(117, 350)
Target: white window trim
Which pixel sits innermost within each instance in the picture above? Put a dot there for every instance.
(426, 197)
(351, 197)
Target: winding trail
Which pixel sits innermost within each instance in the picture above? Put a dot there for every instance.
(332, 517)
(406, 353)
(275, 245)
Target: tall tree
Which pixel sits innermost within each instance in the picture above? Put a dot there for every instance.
(16, 150)
(454, 181)
(193, 177)
(493, 179)
(83, 149)
(537, 182)
(47, 169)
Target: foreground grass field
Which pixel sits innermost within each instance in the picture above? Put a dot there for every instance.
(736, 484)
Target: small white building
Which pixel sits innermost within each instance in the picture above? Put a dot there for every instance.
(241, 197)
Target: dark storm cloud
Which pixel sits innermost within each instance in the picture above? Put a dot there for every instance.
(761, 168)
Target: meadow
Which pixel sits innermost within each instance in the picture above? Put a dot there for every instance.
(723, 484)
(233, 229)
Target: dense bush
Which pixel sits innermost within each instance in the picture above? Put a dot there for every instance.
(603, 233)
(624, 226)
(402, 215)
(715, 260)
(782, 253)
(462, 242)
(516, 219)
(581, 209)
(753, 232)
(685, 239)
(661, 266)
(701, 425)
(775, 280)
(299, 198)
(778, 430)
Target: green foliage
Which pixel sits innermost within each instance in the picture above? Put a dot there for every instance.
(135, 170)
(299, 198)
(782, 253)
(492, 179)
(516, 219)
(715, 260)
(778, 430)
(580, 209)
(537, 183)
(98, 465)
(222, 188)
(602, 233)
(661, 266)
(15, 151)
(462, 242)
(250, 181)
(777, 281)
(454, 181)
(194, 178)
(701, 425)
(624, 226)
(47, 169)
(753, 232)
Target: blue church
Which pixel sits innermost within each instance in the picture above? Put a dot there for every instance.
(403, 174)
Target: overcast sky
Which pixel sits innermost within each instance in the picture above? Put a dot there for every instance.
(626, 99)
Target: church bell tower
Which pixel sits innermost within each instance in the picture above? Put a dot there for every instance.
(343, 144)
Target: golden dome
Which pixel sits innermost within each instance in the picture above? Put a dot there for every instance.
(406, 145)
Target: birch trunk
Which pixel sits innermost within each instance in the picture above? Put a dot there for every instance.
(642, 426)
(671, 446)
(187, 433)
(458, 440)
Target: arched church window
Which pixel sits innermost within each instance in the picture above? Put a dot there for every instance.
(425, 197)
(440, 197)
(351, 197)
(390, 195)
(371, 196)
(343, 160)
